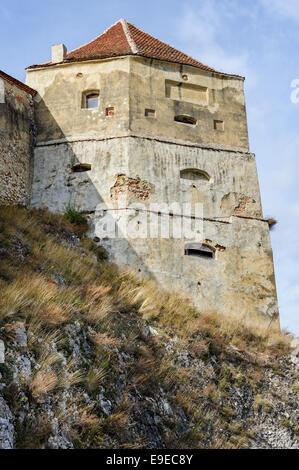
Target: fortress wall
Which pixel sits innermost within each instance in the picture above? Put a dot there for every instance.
(172, 90)
(137, 170)
(16, 143)
(239, 280)
(60, 110)
(142, 155)
(232, 187)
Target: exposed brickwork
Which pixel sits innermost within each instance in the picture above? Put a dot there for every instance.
(133, 188)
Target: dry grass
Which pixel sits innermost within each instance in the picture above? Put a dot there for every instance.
(103, 341)
(96, 311)
(43, 382)
(250, 331)
(33, 295)
(77, 417)
(114, 307)
(94, 378)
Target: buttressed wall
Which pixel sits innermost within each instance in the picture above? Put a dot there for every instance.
(16, 140)
(161, 133)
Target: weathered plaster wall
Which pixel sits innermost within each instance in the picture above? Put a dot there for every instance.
(132, 85)
(239, 279)
(147, 171)
(139, 158)
(16, 144)
(59, 112)
(224, 101)
(232, 188)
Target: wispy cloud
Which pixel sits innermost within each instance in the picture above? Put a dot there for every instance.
(287, 9)
(239, 37)
(199, 28)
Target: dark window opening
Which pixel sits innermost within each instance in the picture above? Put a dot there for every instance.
(219, 125)
(150, 113)
(110, 111)
(80, 167)
(186, 119)
(201, 251)
(194, 174)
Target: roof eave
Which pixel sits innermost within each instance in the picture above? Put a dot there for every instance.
(92, 59)
(17, 83)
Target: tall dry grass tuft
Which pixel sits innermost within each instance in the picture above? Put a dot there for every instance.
(99, 305)
(34, 296)
(44, 381)
(245, 331)
(103, 341)
(65, 260)
(94, 378)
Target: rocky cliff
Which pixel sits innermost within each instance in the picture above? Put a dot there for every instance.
(91, 357)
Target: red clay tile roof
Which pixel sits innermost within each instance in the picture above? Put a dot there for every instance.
(123, 39)
(17, 83)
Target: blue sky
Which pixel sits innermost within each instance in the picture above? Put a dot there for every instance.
(255, 38)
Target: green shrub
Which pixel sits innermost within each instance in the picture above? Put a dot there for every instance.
(72, 215)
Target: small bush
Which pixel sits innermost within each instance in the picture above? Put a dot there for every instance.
(72, 215)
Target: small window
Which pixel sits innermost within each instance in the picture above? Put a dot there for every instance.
(199, 250)
(91, 100)
(186, 119)
(219, 125)
(151, 113)
(110, 111)
(194, 174)
(80, 167)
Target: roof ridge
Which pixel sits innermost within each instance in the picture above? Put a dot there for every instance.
(124, 39)
(171, 47)
(94, 39)
(131, 42)
(18, 83)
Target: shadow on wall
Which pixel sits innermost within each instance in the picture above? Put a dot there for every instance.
(16, 143)
(85, 174)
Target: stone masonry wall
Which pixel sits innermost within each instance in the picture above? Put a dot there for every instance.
(16, 143)
(139, 170)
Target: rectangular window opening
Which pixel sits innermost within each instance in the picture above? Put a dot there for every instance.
(219, 125)
(80, 167)
(183, 118)
(151, 113)
(92, 101)
(110, 111)
(199, 253)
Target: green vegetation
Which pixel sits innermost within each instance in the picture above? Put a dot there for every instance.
(73, 216)
(55, 287)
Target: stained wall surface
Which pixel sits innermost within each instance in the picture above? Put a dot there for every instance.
(140, 154)
(16, 144)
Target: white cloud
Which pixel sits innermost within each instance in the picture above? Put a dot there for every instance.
(199, 28)
(285, 8)
(232, 36)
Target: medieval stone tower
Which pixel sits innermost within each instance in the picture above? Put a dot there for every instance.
(126, 118)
